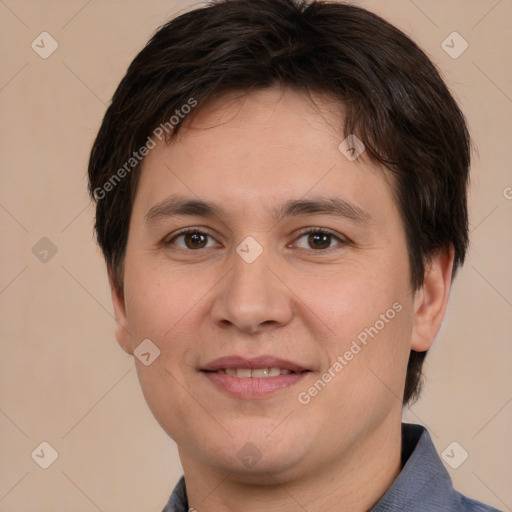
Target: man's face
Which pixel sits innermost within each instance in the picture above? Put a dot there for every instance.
(267, 281)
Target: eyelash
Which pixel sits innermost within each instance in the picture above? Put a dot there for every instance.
(306, 231)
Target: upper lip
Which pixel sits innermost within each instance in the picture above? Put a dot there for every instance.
(252, 363)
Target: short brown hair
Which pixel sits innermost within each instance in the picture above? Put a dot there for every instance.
(394, 98)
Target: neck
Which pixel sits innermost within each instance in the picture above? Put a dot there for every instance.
(355, 483)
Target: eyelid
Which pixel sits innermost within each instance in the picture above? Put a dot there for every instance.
(342, 241)
(306, 231)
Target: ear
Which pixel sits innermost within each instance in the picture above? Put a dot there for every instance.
(122, 333)
(431, 299)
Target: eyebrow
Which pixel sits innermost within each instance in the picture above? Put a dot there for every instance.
(173, 207)
(325, 206)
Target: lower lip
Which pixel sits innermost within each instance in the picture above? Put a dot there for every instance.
(252, 387)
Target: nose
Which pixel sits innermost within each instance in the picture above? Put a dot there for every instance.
(252, 297)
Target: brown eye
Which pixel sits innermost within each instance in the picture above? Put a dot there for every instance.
(195, 240)
(319, 240)
(192, 239)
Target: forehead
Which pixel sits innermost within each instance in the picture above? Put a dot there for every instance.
(264, 147)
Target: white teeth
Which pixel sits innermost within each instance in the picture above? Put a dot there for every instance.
(257, 373)
(260, 373)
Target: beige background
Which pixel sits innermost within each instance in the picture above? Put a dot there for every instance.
(64, 380)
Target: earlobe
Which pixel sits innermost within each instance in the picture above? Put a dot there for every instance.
(121, 330)
(431, 299)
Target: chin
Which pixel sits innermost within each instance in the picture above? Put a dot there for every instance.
(270, 469)
(254, 459)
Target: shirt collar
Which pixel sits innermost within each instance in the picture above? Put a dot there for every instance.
(423, 484)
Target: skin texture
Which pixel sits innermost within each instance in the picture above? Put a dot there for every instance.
(250, 155)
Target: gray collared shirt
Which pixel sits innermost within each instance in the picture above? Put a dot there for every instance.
(423, 485)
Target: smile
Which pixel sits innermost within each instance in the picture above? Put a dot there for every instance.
(257, 373)
(252, 378)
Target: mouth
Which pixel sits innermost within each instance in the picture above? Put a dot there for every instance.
(254, 377)
(256, 373)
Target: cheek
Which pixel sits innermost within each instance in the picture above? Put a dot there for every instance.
(374, 360)
(351, 297)
(369, 315)
(158, 300)
(166, 310)
(168, 398)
